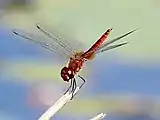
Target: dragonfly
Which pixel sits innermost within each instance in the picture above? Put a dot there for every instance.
(66, 48)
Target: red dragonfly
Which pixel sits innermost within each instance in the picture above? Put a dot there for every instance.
(66, 49)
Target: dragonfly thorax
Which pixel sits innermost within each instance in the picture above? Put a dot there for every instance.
(77, 55)
(74, 66)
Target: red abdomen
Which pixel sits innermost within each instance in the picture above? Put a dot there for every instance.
(96, 45)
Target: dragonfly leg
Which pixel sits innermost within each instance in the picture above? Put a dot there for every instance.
(75, 85)
(82, 80)
(69, 86)
(73, 88)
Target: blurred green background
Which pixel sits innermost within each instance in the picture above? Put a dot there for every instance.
(124, 82)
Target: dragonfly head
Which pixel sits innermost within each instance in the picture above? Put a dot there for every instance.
(67, 73)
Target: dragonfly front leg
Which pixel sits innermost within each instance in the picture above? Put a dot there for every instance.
(73, 88)
(82, 80)
(75, 85)
(69, 86)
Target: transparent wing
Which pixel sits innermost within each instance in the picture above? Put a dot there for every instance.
(111, 47)
(114, 40)
(44, 42)
(63, 40)
(64, 45)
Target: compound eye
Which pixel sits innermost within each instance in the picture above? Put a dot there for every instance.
(65, 77)
(64, 70)
(69, 72)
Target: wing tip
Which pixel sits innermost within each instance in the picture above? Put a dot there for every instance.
(37, 25)
(124, 43)
(135, 30)
(15, 32)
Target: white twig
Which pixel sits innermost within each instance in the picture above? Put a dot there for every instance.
(57, 106)
(48, 114)
(99, 117)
